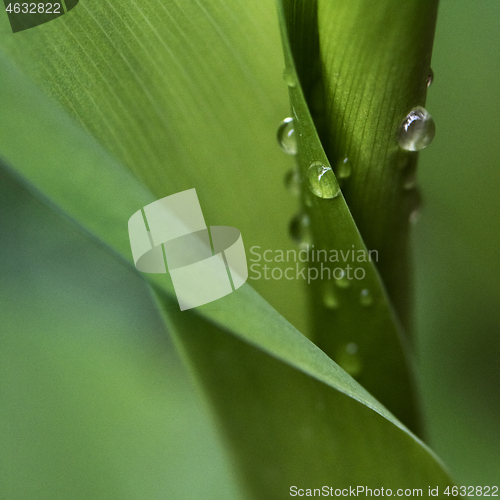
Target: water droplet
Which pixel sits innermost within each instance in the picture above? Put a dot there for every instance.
(416, 206)
(292, 181)
(308, 199)
(322, 181)
(348, 359)
(330, 300)
(430, 78)
(415, 215)
(300, 230)
(417, 130)
(344, 168)
(286, 137)
(410, 180)
(341, 279)
(365, 297)
(289, 77)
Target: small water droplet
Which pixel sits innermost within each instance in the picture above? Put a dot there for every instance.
(417, 130)
(300, 230)
(330, 300)
(341, 279)
(322, 181)
(365, 297)
(348, 359)
(308, 199)
(289, 77)
(415, 215)
(416, 205)
(344, 168)
(286, 137)
(292, 181)
(410, 180)
(430, 78)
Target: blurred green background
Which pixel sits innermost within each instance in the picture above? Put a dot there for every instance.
(457, 242)
(98, 400)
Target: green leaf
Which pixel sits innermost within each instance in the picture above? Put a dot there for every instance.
(95, 401)
(183, 100)
(328, 77)
(287, 412)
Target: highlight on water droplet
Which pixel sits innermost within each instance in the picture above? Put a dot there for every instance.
(300, 230)
(286, 136)
(292, 181)
(330, 299)
(365, 297)
(322, 181)
(341, 278)
(289, 77)
(416, 130)
(430, 78)
(348, 359)
(344, 168)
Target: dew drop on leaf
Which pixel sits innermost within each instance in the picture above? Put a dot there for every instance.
(292, 181)
(348, 359)
(365, 297)
(416, 206)
(416, 130)
(289, 77)
(341, 279)
(308, 199)
(286, 137)
(344, 168)
(300, 230)
(415, 215)
(322, 181)
(330, 300)
(410, 180)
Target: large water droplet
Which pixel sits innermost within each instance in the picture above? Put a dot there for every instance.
(430, 78)
(289, 77)
(330, 299)
(344, 168)
(286, 137)
(417, 130)
(348, 358)
(300, 230)
(322, 181)
(365, 297)
(292, 181)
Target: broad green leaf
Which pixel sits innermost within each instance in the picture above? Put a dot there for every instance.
(72, 173)
(289, 415)
(94, 400)
(182, 101)
(177, 125)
